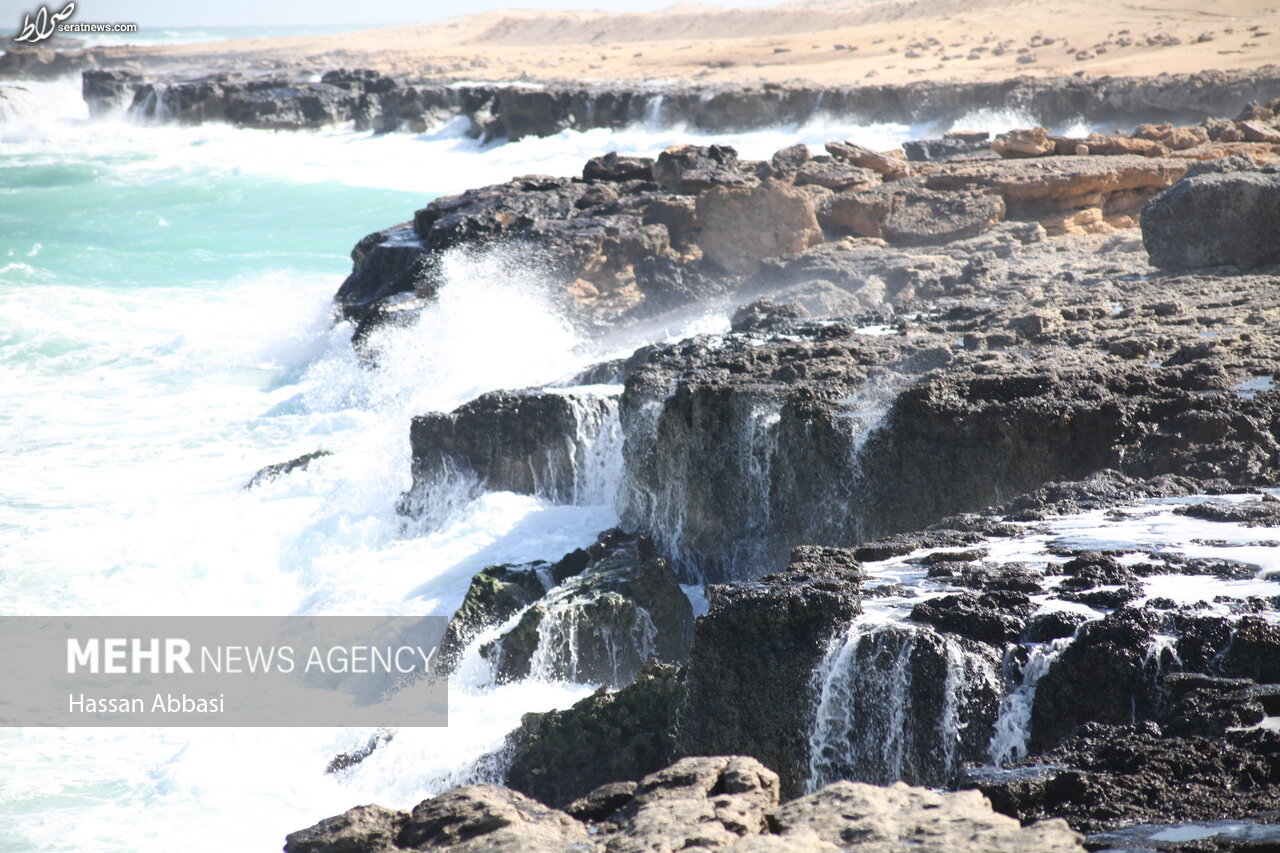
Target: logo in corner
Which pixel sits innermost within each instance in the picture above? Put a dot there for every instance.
(44, 25)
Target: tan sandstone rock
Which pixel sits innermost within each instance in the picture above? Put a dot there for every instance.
(743, 225)
(1034, 142)
(1052, 189)
(900, 817)
(891, 167)
(697, 804)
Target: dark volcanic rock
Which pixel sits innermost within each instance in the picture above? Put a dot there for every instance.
(496, 594)
(986, 618)
(690, 169)
(1101, 677)
(602, 624)
(531, 443)
(615, 167)
(1112, 775)
(903, 703)
(753, 656)
(1253, 651)
(1259, 513)
(1215, 219)
(1201, 705)
(386, 263)
(606, 738)
(279, 469)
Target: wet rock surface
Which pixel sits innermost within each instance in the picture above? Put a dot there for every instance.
(600, 624)
(1020, 473)
(605, 740)
(383, 103)
(510, 441)
(761, 642)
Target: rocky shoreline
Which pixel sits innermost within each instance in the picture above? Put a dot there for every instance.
(980, 487)
(373, 101)
(975, 480)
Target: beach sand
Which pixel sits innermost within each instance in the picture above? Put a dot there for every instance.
(844, 42)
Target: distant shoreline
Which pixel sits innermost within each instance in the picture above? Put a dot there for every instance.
(894, 42)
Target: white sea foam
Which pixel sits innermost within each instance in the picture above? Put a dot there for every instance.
(148, 377)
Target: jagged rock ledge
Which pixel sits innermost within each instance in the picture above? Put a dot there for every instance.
(513, 111)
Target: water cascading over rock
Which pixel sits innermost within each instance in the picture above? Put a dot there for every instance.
(560, 445)
(598, 626)
(897, 702)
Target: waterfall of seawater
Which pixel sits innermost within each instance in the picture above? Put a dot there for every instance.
(894, 702)
(595, 448)
(1013, 724)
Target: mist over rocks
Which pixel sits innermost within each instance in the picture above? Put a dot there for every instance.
(936, 484)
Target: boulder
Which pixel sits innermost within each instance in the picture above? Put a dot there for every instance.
(487, 819)
(900, 817)
(1034, 142)
(616, 167)
(606, 740)
(1171, 137)
(363, 829)
(691, 169)
(835, 175)
(1213, 220)
(949, 147)
(704, 803)
(789, 160)
(741, 226)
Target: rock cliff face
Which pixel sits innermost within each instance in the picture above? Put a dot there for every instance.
(514, 111)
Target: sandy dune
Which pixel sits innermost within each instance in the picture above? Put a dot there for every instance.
(828, 41)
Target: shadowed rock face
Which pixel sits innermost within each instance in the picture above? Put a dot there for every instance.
(513, 112)
(561, 756)
(754, 655)
(735, 453)
(518, 442)
(1211, 220)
